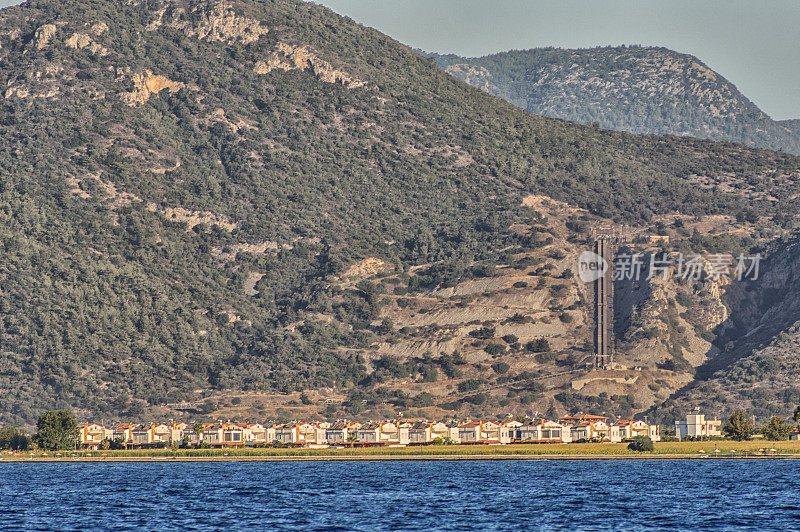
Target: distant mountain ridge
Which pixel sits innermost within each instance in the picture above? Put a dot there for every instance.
(628, 88)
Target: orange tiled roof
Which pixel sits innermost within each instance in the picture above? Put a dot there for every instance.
(585, 417)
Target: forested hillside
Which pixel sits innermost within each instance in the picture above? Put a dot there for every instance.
(628, 88)
(185, 183)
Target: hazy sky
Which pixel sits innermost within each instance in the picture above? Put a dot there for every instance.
(753, 43)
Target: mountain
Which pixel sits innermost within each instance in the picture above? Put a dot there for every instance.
(628, 88)
(213, 206)
(791, 125)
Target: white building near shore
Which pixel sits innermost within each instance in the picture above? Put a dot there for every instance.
(697, 426)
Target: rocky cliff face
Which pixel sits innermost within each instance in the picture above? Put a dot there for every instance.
(667, 322)
(211, 21)
(757, 365)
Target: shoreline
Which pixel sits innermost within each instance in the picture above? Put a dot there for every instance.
(708, 450)
(387, 457)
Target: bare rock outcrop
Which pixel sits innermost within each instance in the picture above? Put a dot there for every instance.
(80, 40)
(290, 57)
(366, 268)
(147, 84)
(43, 35)
(99, 28)
(193, 218)
(215, 22)
(22, 92)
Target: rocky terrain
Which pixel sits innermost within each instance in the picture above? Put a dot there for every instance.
(518, 339)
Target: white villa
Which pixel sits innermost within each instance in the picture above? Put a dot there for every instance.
(444, 431)
(630, 429)
(545, 432)
(697, 426)
(91, 435)
(591, 428)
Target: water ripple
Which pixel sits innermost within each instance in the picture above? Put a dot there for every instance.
(413, 495)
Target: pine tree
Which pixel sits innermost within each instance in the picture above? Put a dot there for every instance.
(56, 431)
(738, 427)
(778, 429)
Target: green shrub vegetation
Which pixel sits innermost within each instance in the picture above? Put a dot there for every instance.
(500, 367)
(641, 444)
(470, 385)
(538, 346)
(12, 439)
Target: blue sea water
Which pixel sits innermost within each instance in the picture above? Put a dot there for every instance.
(406, 495)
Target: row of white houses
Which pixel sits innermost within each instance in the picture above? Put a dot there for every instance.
(565, 430)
